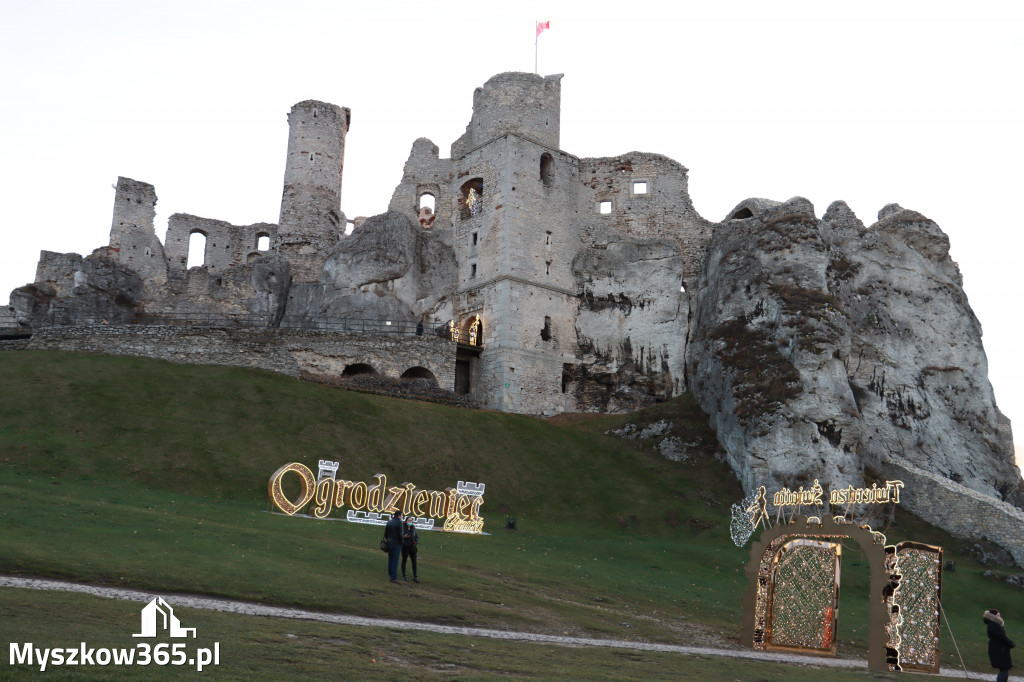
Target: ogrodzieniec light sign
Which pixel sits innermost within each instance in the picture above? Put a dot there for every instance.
(374, 503)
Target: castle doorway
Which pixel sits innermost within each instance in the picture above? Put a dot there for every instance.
(467, 360)
(462, 378)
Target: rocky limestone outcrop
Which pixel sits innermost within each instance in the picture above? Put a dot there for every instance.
(389, 268)
(631, 316)
(916, 359)
(70, 289)
(821, 348)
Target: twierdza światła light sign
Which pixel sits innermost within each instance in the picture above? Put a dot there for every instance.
(374, 503)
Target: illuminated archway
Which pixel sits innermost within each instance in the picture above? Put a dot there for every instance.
(762, 572)
(793, 583)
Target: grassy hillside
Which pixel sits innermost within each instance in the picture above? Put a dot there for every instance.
(153, 475)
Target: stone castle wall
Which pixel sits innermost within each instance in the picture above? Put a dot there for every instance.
(956, 508)
(425, 173)
(286, 351)
(650, 199)
(133, 240)
(521, 103)
(227, 245)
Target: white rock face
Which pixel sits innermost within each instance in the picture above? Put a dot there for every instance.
(389, 269)
(919, 356)
(820, 347)
(632, 318)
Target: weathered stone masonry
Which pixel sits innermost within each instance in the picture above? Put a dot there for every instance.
(286, 351)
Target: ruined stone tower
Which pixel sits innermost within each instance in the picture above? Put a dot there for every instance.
(133, 241)
(515, 242)
(572, 266)
(311, 218)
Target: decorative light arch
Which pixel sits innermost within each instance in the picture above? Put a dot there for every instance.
(817, 544)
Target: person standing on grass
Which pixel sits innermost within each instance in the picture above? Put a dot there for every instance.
(999, 645)
(393, 536)
(410, 540)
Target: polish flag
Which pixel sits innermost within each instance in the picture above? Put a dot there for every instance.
(541, 25)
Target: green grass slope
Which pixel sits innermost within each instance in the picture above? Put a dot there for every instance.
(143, 473)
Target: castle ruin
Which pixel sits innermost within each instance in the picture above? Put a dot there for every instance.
(534, 281)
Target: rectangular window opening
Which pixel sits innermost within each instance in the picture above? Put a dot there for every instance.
(604, 207)
(474, 238)
(472, 270)
(639, 187)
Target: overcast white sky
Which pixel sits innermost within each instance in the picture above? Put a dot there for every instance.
(918, 103)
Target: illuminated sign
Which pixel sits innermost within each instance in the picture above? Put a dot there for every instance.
(752, 511)
(374, 503)
(812, 497)
(872, 495)
(799, 498)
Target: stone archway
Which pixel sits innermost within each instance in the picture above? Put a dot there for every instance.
(358, 369)
(418, 373)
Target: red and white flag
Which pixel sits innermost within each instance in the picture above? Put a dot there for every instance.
(541, 25)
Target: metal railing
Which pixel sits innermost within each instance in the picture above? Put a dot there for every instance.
(355, 325)
(15, 331)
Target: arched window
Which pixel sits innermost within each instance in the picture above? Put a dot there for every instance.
(426, 200)
(473, 334)
(471, 198)
(547, 170)
(263, 241)
(196, 250)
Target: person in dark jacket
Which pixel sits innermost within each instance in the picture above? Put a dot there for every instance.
(999, 645)
(393, 533)
(409, 542)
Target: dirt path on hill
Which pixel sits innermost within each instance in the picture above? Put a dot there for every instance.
(251, 609)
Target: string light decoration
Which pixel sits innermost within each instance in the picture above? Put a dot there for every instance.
(277, 495)
(803, 596)
(741, 527)
(458, 508)
(792, 598)
(914, 626)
